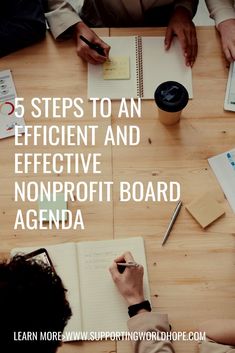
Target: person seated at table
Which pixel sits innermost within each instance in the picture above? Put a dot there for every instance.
(65, 19)
(223, 12)
(32, 300)
(22, 23)
(220, 334)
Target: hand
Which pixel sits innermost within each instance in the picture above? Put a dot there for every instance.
(182, 25)
(220, 330)
(227, 32)
(130, 282)
(84, 51)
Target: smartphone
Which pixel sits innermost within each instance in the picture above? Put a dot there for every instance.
(42, 255)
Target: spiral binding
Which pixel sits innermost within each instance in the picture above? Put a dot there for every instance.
(139, 66)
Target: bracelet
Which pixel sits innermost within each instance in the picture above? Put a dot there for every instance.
(133, 309)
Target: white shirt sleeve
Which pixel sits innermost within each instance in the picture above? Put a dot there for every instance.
(221, 10)
(61, 16)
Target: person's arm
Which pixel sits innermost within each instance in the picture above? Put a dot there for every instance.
(190, 5)
(130, 285)
(221, 10)
(181, 24)
(223, 13)
(220, 331)
(61, 16)
(63, 20)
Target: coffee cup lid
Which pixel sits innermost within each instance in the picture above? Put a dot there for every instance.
(171, 96)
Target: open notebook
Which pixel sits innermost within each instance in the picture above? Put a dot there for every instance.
(95, 302)
(149, 65)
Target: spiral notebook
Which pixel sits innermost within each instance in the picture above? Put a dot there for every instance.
(149, 65)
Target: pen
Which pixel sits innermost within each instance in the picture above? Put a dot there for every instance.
(93, 46)
(128, 264)
(172, 221)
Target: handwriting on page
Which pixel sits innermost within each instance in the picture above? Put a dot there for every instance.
(99, 259)
(117, 68)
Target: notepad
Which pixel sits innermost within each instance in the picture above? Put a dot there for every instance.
(93, 297)
(117, 68)
(205, 209)
(8, 119)
(149, 65)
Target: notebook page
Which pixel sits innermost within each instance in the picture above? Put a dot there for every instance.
(160, 65)
(114, 89)
(103, 308)
(64, 259)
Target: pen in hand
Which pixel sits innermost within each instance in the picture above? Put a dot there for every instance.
(128, 264)
(93, 46)
(122, 265)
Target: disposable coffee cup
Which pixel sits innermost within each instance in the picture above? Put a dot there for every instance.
(171, 97)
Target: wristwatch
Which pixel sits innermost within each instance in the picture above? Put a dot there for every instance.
(133, 309)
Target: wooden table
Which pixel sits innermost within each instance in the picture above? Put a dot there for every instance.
(192, 277)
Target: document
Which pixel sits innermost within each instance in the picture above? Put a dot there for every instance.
(8, 120)
(223, 165)
(229, 101)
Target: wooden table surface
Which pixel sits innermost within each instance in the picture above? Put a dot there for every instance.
(192, 278)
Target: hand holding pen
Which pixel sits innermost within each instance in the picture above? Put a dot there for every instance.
(130, 281)
(89, 46)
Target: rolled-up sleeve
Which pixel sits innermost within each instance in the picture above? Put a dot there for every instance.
(152, 323)
(61, 16)
(221, 10)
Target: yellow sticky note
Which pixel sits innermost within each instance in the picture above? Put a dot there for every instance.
(117, 68)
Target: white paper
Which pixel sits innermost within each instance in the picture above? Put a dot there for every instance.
(223, 165)
(114, 89)
(8, 120)
(103, 307)
(229, 101)
(160, 65)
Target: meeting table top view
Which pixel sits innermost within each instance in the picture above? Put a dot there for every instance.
(192, 276)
